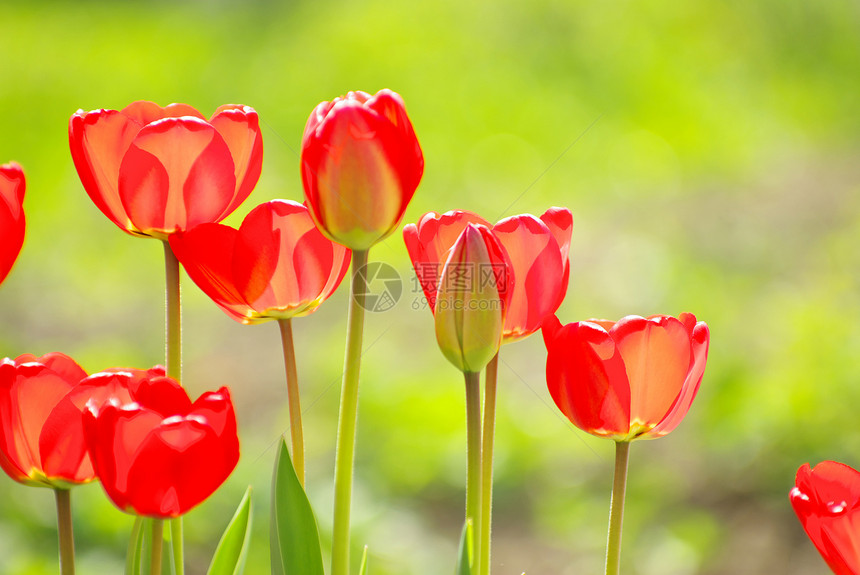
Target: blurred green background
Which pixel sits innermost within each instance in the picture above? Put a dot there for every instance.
(709, 153)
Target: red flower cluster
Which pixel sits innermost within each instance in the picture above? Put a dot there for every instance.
(155, 452)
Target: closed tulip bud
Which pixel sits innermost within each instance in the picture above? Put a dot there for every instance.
(361, 164)
(471, 299)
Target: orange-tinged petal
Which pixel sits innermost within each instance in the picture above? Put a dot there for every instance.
(657, 355)
(98, 141)
(700, 338)
(177, 173)
(240, 128)
(144, 112)
(429, 243)
(536, 260)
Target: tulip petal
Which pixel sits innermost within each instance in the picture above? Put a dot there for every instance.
(98, 141)
(657, 354)
(536, 260)
(586, 378)
(206, 253)
(177, 173)
(700, 338)
(560, 223)
(240, 128)
(429, 244)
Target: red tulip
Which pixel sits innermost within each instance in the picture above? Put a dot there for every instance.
(277, 265)
(472, 299)
(361, 164)
(11, 215)
(154, 171)
(537, 250)
(41, 442)
(827, 502)
(160, 455)
(634, 379)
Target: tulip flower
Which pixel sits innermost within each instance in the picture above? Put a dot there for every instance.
(11, 216)
(160, 455)
(634, 379)
(361, 164)
(471, 299)
(277, 265)
(826, 499)
(41, 438)
(537, 250)
(154, 171)
(631, 379)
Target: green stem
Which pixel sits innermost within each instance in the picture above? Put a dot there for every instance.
(347, 418)
(157, 540)
(132, 558)
(296, 435)
(66, 534)
(473, 470)
(616, 508)
(173, 321)
(173, 357)
(487, 460)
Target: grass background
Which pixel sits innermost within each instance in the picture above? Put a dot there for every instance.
(707, 149)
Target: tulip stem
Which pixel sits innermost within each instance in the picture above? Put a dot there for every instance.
(616, 508)
(487, 460)
(347, 417)
(296, 435)
(173, 358)
(65, 532)
(157, 540)
(173, 321)
(473, 455)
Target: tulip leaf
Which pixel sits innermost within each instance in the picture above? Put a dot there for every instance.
(232, 550)
(464, 564)
(293, 533)
(363, 569)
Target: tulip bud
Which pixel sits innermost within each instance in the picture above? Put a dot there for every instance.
(471, 299)
(361, 164)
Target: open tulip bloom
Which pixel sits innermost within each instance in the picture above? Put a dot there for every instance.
(158, 454)
(154, 171)
(277, 265)
(631, 379)
(12, 187)
(826, 499)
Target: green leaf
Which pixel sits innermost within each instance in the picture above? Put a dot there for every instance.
(363, 569)
(229, 558)
(464, 565)
(293, 535)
